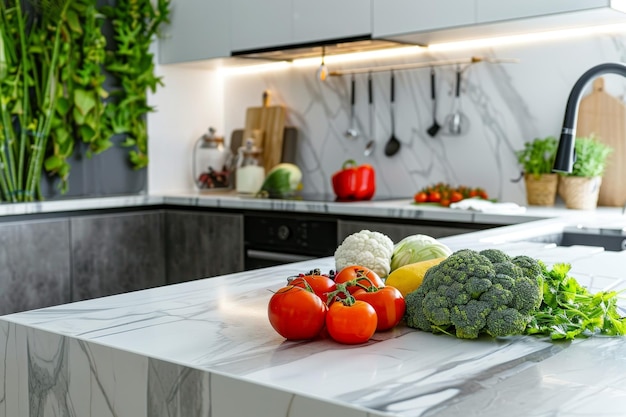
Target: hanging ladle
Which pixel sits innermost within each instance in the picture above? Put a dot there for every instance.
(352, 132)
(393, 144)
(457, 122)
(434, 128)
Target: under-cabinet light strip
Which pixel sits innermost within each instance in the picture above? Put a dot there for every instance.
(554, 35)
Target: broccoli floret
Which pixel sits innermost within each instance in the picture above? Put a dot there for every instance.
(506, 321)
(495, 255)
(470, 293)
(414, 314)
(531, 267)
(470, 319)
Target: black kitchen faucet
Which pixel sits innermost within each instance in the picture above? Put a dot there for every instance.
(565, 154)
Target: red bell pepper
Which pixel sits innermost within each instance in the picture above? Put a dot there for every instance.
(354, 182)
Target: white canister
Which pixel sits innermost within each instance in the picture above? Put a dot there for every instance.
(250, 173)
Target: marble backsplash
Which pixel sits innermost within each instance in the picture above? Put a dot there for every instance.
(506, 104)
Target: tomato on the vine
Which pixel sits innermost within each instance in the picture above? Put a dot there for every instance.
(388, 303)
(296, 313)
(420, 197)
(351, 324)
(320, 284)
(434, 196)
(456, 196)
(361, 274)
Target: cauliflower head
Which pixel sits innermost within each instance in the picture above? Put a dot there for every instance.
(472, 292)
(372, 250)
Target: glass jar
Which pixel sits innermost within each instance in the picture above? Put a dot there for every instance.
(250, 173)
(211, 162)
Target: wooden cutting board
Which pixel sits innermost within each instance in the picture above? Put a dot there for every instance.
(605, 116)
(266, 124)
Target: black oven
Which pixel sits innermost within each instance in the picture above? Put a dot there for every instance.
(278, 238)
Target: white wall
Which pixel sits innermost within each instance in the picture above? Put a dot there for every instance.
(190, 102)
(507, 104)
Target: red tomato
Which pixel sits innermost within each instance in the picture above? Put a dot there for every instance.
(363, 275)
(351, 324)
(434, 196)
(456, 196)
(444, 202)
(420, 197)
(388, 303)
(320, 284)
(483, 194)
(296, 314)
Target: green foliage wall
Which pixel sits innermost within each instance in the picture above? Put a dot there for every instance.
(54, 61)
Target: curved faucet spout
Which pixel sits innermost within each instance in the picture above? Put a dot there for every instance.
(565, 156)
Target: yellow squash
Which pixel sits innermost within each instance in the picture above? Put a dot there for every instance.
(409, 277)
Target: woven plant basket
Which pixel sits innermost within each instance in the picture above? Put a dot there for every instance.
(541, 189)
(580, 192)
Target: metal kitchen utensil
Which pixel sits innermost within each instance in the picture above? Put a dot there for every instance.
(371, 144)
(434, 128)
(457, 122)
(352, 132)
(393, 144)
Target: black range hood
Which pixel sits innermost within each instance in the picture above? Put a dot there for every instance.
(315, 49)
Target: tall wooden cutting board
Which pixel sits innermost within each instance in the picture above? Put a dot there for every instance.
(605, 116)
(267, 125)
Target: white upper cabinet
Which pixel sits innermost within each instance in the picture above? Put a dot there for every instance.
(198, 30)
(428, 21)
(397, 17)
(497, 10)
(260, 24)
(330, 19)
(276, 23)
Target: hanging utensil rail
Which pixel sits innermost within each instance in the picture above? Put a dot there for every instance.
(399, 67)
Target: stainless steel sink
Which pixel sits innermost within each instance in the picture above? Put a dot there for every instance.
(611, 238)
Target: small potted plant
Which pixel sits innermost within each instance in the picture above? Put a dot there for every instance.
(536, 160)
(580, 188)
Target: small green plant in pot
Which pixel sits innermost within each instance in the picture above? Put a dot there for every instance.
(536, 160)
(580, 188)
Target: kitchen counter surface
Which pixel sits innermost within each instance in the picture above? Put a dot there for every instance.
(206, 348)
(400, 208)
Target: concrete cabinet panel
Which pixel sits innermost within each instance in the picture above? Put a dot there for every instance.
(201, 245)
(116, 253)
(35, 270)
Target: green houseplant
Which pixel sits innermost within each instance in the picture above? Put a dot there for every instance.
(536, 160)
(580, 188)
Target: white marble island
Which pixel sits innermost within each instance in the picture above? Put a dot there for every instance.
(205, 348)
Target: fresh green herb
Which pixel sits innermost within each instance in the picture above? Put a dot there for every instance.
(591, 157)
(135, 24)
(537, 157)
(569, 310)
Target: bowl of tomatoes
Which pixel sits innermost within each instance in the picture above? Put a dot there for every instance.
(442, 194)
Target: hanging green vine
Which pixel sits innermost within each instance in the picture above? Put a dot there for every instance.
(80, 103)
(135, 23)
(52, 94)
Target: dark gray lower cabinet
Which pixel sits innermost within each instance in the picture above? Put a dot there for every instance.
(397, 232)
(201, 245)
(116, 253)
(35, 265)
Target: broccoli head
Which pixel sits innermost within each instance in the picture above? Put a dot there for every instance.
(471, 292)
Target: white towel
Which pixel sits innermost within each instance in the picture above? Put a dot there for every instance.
(486, 206)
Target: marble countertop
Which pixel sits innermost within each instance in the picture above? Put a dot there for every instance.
(206, 348)
(400, 208)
